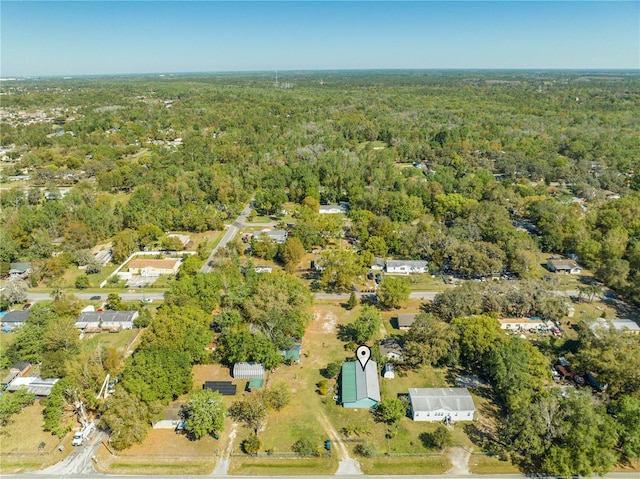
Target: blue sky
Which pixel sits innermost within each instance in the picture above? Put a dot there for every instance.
(99, 37)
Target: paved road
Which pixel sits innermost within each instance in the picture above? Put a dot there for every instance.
(78, 463)
(429, 295)
(33, 297)
(233, 229)
(94, 475)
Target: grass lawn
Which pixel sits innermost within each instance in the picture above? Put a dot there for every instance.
(481, 464)
(284, 467)
(19, 451)
(405, 465)
(111, 340)
(163, 452)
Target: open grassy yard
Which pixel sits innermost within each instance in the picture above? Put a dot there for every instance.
(112, 340)
(482, 464)
(405, 465)
(283, 467)
(163, 452)
(19, 451)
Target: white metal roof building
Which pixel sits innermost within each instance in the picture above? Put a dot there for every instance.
(248, 371)
(438, 404)
(33, 384)
(400, 266)
(106, 319)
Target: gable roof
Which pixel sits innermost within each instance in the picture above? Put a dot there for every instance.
(16, 317)
(390, 345)
(167, 263)
(437, 399)
(107, 316)
(563, 264)
(406, 319)
(360, 384)
(396, 263)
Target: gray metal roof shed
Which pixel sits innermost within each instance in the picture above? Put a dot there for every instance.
(248, 371)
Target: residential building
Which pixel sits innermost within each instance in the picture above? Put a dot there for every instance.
(400, 266)
(154, 267)
(33, 384)
(19, 270)
(378, 264)
(359, 387)
(441, 404)
(567, 266)
(13, 320)
(103, 256)
(523, 324)
(405, 320)
(279, 236)
(108, 320)
(391, 349)
(340, 208)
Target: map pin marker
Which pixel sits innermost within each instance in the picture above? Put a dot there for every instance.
(363, 353)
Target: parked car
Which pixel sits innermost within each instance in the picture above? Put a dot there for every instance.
(95, 298)
(77, 439)
(26, 306)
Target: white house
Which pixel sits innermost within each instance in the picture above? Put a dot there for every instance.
(441, 404)
(378, 264)
(391, 349)
(400, 266)
(567, 266)
(340, 208)
(154, 267)
(279, 236)
(115, 320)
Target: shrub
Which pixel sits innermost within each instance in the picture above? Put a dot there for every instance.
(304, 447)
(82, 282)
(252, 444)
(365, 449)
(323, 387)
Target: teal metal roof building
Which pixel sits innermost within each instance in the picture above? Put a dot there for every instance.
(360, 388)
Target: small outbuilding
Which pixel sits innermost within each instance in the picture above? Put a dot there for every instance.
(248, 371)
(391, 349)
(441, 404)
(388, 371)
(13, 320)
(33, 384)
(405, 320)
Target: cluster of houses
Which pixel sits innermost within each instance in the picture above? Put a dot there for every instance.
(359, 388)
(21, 376)
(88, 321)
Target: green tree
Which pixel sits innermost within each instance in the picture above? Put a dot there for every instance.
(332, 370)
(277, 396)
(432, 342)
(440, 438)
(127, 419)
(82, 282)
(478, 336)
(291, 253)
(114, 301)
(252, 411)
(15, 291)
(124, 243)
(391, 410)
(366, 325)
(304, 447)
(252, 444)
(352, 302)
(12, 404)
(204, 413)
(393, 292)
(341, 268)
(626, 412)
(157, 373)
